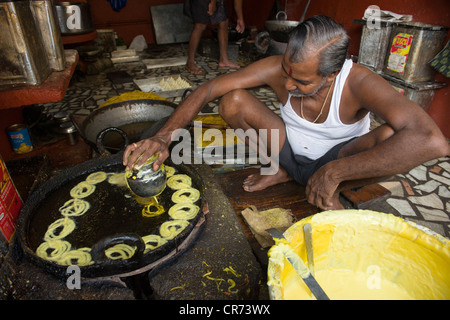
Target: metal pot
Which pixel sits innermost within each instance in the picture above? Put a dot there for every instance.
(128, 118)
(280, 28)
(112, 219)
(74, 17)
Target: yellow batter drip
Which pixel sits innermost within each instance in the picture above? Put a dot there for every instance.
(152, 210)
(170, 171)
(365, 255)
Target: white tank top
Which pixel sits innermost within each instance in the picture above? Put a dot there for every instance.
(313, 140)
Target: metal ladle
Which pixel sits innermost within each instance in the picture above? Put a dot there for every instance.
(145, 181)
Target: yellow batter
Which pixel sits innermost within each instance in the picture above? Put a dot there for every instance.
(120, 251)
(184, 195)
(361, 254)
(344, 285)
(117, 179)
(170, 229)
(96, 177)
(179, 181)
(74, 207)
(82, 190)
(183, 211)
(153, 241)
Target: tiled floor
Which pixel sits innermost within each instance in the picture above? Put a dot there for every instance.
(421, 195)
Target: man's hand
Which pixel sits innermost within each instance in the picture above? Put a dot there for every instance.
(321, 189)
(137, 153)
(240, 26)
(212, 7)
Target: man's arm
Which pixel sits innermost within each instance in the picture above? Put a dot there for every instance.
(212, 7)
(416, 139)
(251, 76)
(240, 27)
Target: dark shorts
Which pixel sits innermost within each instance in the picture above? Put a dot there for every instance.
(301, 168)
(198, 11)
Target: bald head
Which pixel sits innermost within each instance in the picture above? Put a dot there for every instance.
(320, 37)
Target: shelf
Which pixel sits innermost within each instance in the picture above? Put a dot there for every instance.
(51, 90)
(79, 38)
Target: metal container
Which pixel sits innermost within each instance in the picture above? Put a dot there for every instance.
(412, 45)
(106, 39)
(280, 28)
(374, 44)
(20, 138)
(421, 93)
(145, 181)
(45, 15)
(23, 59)
(71, 133)
(74, 17)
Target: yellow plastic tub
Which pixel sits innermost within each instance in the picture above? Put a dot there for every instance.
(361, 254)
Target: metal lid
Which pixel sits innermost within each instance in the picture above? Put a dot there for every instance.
(67, 127)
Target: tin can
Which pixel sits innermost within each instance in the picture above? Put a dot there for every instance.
(20, 138)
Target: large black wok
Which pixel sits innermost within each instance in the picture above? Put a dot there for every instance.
(114, 217)
(111, 127)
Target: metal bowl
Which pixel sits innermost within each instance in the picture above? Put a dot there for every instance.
(279, 29)
(145, 181)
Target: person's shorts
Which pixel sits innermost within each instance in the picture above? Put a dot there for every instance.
(198, 11)
(301, 168)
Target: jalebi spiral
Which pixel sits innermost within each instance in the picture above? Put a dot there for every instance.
(96, 177)
(74, 207)
(153, 241)
(120, 251)
(53, 250)
(179, 181)
(170, 229)
(185, 195)
(82, 190)
(79, 257)
(185, 211)
(54, 231)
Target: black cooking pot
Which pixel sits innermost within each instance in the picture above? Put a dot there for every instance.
(129, 119)
(115, 218)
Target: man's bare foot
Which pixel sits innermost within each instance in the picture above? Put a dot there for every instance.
(257, 182)
(228, 64)
(192, 68)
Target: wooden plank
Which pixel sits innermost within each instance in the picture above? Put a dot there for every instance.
(362, 197)
(288, 195)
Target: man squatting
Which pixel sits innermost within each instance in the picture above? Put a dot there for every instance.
(324, 138)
